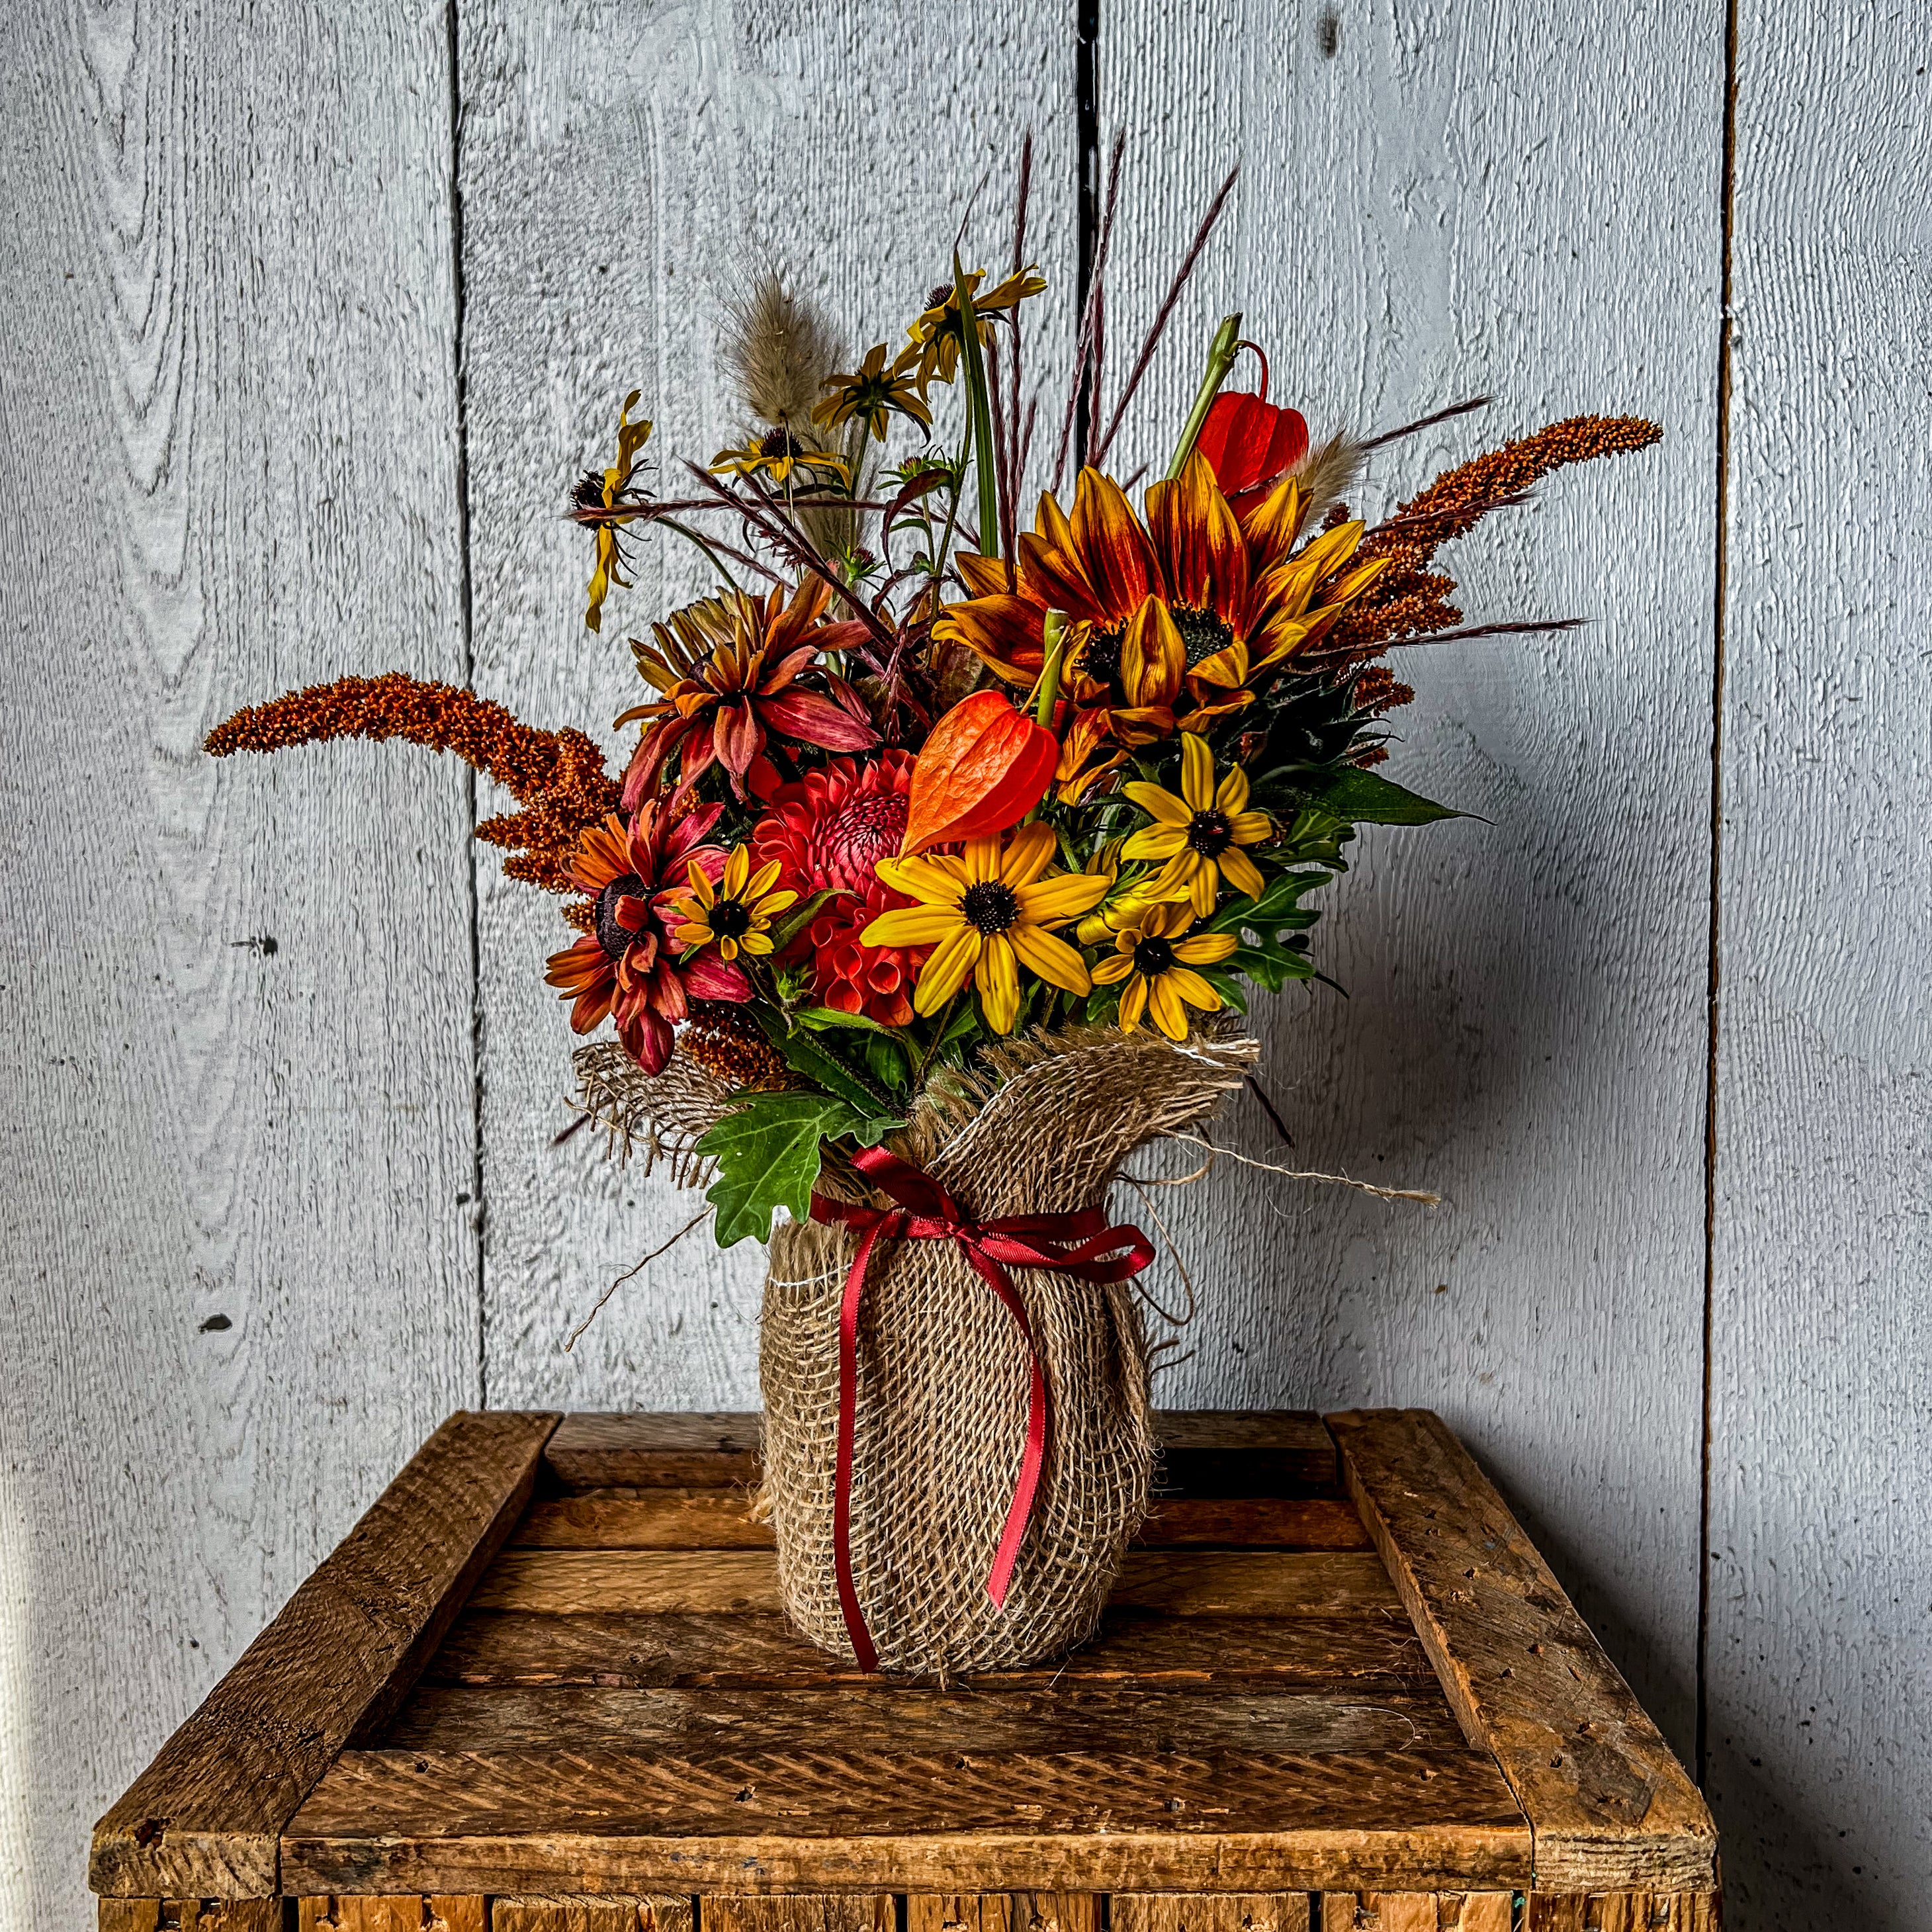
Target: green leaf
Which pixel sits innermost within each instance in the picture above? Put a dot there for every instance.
(1366, 798)
(818, 1018)
(798, 919)
(1280, 902)
(804, 1055)
(886, 1061)
(767, 1152)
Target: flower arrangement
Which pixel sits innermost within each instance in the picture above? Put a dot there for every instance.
(917, 785)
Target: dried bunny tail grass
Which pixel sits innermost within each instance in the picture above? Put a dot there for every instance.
(557, 777)
(778, 350)
(664, 1114)
(1328, 472)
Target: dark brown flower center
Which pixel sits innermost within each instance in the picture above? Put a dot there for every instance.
(1202, 633)
(940, 295)
(589, 494)
(1153, 956)
(730, 919)
(1101, 659)
(781, 442)
(1210, 833)
(990, 907)
(612, 936)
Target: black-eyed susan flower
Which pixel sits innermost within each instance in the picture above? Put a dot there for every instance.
(938, 335)
(596, 494)
(736, 914)
(1156, 964)
(774, 457)
(1197, 837)
(986, 914)
(873, 391)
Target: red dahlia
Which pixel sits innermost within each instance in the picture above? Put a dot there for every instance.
(827, 832)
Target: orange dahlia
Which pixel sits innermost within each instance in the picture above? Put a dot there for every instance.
(1179, 618)
(826, 833)
(728, 670)
(626, 969)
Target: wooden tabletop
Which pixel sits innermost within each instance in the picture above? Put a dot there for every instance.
(550, 1660)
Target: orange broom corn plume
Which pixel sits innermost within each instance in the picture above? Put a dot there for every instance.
(984, 768)
(558, 777)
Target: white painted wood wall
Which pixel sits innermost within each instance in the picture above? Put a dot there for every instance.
(310, 314)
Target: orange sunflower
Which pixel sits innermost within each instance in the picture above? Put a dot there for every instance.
(1179, 618)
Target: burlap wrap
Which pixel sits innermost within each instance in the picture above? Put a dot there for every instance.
(943, 1377)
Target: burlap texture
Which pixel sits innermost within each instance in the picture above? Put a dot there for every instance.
(942, 1376)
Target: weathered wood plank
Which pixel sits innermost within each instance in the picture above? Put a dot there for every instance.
(693, 1724)
(1211, 1911)
(825, 1911)
(1611, 1807)
(1623, 1912)
(1176, 1583)
(1418, 1912)
(204, 1817)
(589, 1912)
(655, 1451)
(238, 1280)
(1819, 1757)
(405, 1912)
(691, 1519)
(1003, 1911)
(1344, 1653)
(522, 1821)
(189, 1914)
(1438, 202)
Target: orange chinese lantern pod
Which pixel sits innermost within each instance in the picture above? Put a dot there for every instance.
(984, 768)
(1249, 443)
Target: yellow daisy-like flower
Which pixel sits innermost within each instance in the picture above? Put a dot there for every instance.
(987, 913)
(734, 914)
(592, 496)
(939, 332)
(1156, 964)
(1198, 836)
(775, 455)
(873, 392)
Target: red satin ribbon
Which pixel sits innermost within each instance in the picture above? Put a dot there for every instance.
(1081, 1243)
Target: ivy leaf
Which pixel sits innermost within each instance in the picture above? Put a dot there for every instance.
(767, 1152)
(803, 1053)
(1366, 798)
(1272, 928)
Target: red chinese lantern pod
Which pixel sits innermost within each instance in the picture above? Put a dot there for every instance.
(984, 768)
(1249, 443)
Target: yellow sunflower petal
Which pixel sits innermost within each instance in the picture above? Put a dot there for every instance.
(1231, 795)
(945, 972)
(701, 885)
(1155, 841)
(761, 881)
(928, 880)
(772, 904)
(1165, 921)
(1033, 845)
(1157, 804)
(998, 980)
(1197, 773)
(756, 944)
(1114, 968)
(727, 947)
(1241, 872)
(982, 860)
(1133, 1003)
(1153, 658)
(913, 925)
(1207, 949)
(1191, 988)
(1051, 958)
(737, 870)
(1164, 1003)
(1047, 901)
(1250, 828)
(691, 937)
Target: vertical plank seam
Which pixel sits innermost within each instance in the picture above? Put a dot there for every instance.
(451, 56)
(1087, 159)
(1728, 194)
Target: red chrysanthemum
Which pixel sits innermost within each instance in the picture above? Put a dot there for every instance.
(827, 832)
(829, 829)
(876, 981)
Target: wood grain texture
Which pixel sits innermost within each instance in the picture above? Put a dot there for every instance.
(1005, 1911)
(402, 1912)
(655, 1450)
(1418, 1912)
(1610, 1808)
(1214, 1912)
(1438, 202)
(1624, 1911)
(827, 1911)
(686, 1519)
(188, 1915)
(205, 1816)
(1185, 1583)
(621, 163)
(533, 1912)
(1819, 1644)
(238, 1281)
(693, 1724)
(503, 1821)
(488, 1647)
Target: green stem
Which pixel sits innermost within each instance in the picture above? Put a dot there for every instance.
(980, 415)
(1053, 638)
(1221, 354)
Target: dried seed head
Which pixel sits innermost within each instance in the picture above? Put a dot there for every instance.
(779, 350)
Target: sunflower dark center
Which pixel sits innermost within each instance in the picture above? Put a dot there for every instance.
(612, 936)
(1101, 659)
(1210, 833)
(780, 442)
(1153, 956)
(940, 296)
(730, 919)
(1202, 633)
(990, 907)
(589, 494)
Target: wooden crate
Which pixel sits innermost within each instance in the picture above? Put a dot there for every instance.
(544, 1686)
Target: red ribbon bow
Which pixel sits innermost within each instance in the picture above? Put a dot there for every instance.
(1081, 1243)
